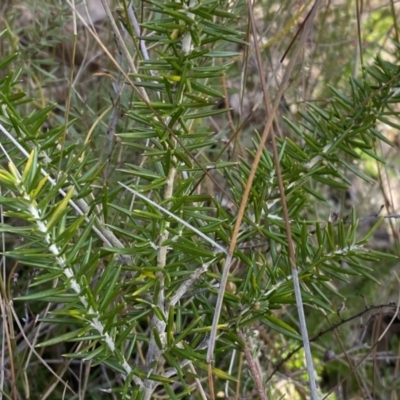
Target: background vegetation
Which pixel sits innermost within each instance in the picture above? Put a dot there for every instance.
(191, 199)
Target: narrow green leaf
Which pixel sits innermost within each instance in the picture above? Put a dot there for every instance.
(356, 171)
(60, 210)
(7, 60)
(280, 326)
(222, 54)
(216, 372)
(187, 247)
(63, 338)
(41, 295)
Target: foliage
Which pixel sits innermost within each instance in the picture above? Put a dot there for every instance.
(125, 237)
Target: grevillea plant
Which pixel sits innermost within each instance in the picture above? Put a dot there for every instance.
(128, 243)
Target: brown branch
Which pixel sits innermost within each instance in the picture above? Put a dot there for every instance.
(253, 369)
(271, 112)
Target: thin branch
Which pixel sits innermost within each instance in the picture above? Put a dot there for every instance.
(136, 28)
(325, 331)
(182, 290)
(181, 221)
(372, 347)
(253, 369)
(121, 43)
(33, 350)
(154, 352)
(270, 111)
(198, 382)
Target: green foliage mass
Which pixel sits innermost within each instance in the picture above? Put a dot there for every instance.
(128, 248)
